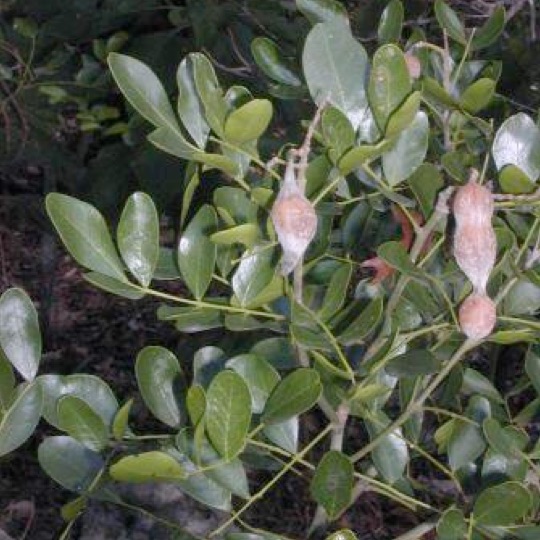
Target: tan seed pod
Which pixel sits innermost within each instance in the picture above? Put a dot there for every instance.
(413, 65)
(295, 221)
(477, 316)
(475, 243)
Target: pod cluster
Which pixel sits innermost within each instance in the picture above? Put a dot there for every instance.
(475, 249)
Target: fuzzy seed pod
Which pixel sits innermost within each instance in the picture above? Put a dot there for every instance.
(295, 221)
(477, 316)
(475, 244)
(413, 65)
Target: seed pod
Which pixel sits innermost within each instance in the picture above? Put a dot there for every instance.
(477, 316)
(475, 244)
(413, 65)
(295, 221)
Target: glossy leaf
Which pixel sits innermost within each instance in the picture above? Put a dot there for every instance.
(253, 274)
(404, 116)
(295, 394)
(228, 413)
(389, 30)
(426, 182)
(449, 21)
(172, 142)
(336, 292)
(268, 57)
(249, 122)
(21, 418)
(343, 534)
(142, 89)
(191, 319)
(389, 83)
(246, 234)
(84, 233)
(20, 337)
(359, 155)
(113, 286)
(190, 107)
(503, 441)
(258, 374)
(121, 419)
(317, 11)
(138, 237)
(501, 505)
(452, 525)
(197, 253)
(337, 131)
(332, 483)
(413, 363)
(157, 371)
(89, 388)
(522, 299)
(478, 95)
(69, 463)
(364, 323)
(284, 434)
(151, 466)
(409, 151)
(517, 142)
(465, 445)
(78, 420)
(335, 66)
(7, 383)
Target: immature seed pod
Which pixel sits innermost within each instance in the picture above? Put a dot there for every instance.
(475, 244)
(414, 66)
(477, 316)
(295, 221)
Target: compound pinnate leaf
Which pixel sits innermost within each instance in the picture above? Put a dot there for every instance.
(157, 370)
(21, 418)
(228, 413)
(197, 253)
(20, 337)
(151, 466)
(85, 235)
(294, 395)
(332, 483)
(138, 237)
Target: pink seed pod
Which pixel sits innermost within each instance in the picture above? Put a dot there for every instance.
(413, 65)
(477, 316)
(295, 221)
(475, 244)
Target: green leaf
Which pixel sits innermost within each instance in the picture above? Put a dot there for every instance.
(197, 253)
(7, 383)
(157, 371)
(191, 319)
(69, 463)
(237, 204)
(336, 292)
(228, 413)
(513, 180)
(113, 286)
(78, 420)
(413, 363)
(389, 30)
(84, 233)
(532, 367)
(332, 483)
(337, 131)
(73, 509)
(21, 418)
(89, 388)
(20, 337)
(404, 116)
(192, 180)
(246, 234)
(503, 441)
(476, 383)
(143, 90)
(465, 445)
(452, 525)
(478, 95)
(504, 504)
(151, 466)
(138, 237)
(344, 534)
(391, 455)
(522, 299)
(254, 273)
(449, 21)
(258, 374)
(490, 31)
(365, 323)
(395, 254)
(335, 67)
(295, 394)
(284, 434)
(356, 157)
(426, 182)
(172, 142)
(389, 83)
(121, 419)
(248, 122)
(268, 57)
(517, 143)
(409, 151)
(317, 11)
(190, 107)
(210, 92)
